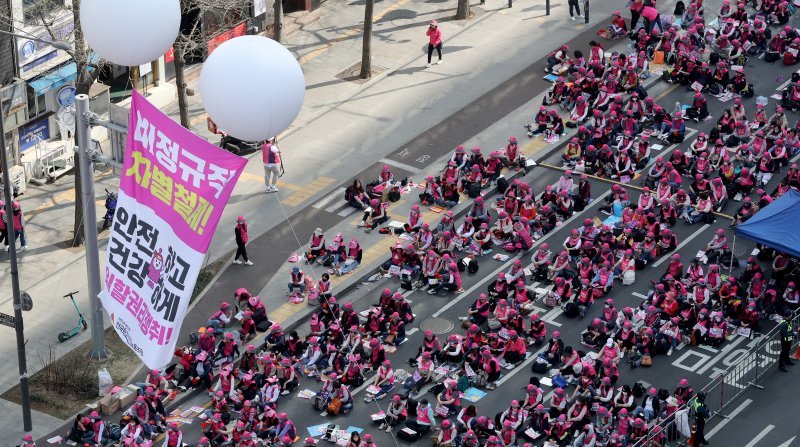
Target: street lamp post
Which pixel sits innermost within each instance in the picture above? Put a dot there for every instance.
(19, 326)
(12, 250)
(82, 132)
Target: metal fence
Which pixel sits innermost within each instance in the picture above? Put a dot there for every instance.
(723, 390)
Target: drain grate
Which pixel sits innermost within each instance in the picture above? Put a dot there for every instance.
(436, 325)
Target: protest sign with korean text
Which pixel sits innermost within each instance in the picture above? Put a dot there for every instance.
(173, 189)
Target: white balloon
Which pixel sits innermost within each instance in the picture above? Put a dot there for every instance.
(130, 32)
(252, 87)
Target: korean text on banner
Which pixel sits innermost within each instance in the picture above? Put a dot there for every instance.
(173, 189)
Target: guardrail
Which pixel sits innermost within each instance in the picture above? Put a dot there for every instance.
(723, 390)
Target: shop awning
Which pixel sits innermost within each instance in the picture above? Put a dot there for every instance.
(58, 77)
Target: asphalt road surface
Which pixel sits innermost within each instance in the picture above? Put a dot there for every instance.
(769, 415)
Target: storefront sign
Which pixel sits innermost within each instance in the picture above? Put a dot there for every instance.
(236, 31)
(66, 96)
(173, 190)
(32, 133)
(169, 56)
(32, 53)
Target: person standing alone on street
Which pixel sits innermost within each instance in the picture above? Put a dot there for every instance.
(435, 41)
(787, 335)
(576, 5)
(271, 157)
(18, 223)
(241, 242)
(701, 414)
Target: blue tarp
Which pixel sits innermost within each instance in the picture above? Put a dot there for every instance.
(777, 225)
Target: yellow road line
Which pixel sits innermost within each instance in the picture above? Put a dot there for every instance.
(302, 194)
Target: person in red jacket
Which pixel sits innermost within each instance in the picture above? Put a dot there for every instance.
(435, 41)
(241, 241)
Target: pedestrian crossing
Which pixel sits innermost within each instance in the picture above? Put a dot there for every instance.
(334, 203)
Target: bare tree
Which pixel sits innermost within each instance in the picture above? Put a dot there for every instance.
(277, 23)
(207, 18)
(366, 52)
(462, 12)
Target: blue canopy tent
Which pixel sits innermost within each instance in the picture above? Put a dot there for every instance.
(777, 225)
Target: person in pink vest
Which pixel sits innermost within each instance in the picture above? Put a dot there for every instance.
(173, 437)
(435, 41)
(18, 221)
(241, 241)
(271, 157)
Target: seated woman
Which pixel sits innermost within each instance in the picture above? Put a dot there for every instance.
(355, 195)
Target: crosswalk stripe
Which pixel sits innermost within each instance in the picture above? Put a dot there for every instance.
(347, 211)
(330, 197)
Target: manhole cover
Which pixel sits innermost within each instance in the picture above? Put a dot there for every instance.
(436, 325)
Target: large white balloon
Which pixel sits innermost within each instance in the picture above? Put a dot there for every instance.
(252, 87)
(130, 32)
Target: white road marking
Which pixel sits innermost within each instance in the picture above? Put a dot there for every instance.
(728, 347)
(730, 417)
(682, 244)
(347, 211)
(335, 194)
(788, 443)
(760, 436)
(708, 348)
(397, 164)
(640, 295)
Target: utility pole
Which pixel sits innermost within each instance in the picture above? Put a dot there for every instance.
(12, 251)
(83, 129)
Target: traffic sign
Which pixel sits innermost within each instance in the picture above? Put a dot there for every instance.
(7, 320)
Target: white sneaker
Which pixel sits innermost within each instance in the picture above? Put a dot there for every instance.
(572, 18)
(23, 248)
(324, 413)
(249, 262)
(428, 66)
(236, 261)
(274, 188)
(439, 63)
(284, 392)
(361, 224)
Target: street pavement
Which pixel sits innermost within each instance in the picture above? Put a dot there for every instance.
(761, 418)
(344, 130)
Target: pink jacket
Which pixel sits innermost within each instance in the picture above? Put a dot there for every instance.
(435, 36)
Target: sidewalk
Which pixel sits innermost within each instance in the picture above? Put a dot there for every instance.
(343, 129)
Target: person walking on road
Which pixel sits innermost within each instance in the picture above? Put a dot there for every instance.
(701, 414)
(573, 4)
(787, 335)
(435, 41)
(271, 157)
(241, 242)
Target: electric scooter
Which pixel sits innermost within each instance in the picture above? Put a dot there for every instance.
(81, 326)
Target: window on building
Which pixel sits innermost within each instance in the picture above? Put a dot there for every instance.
(36, 104)
(34, 10)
